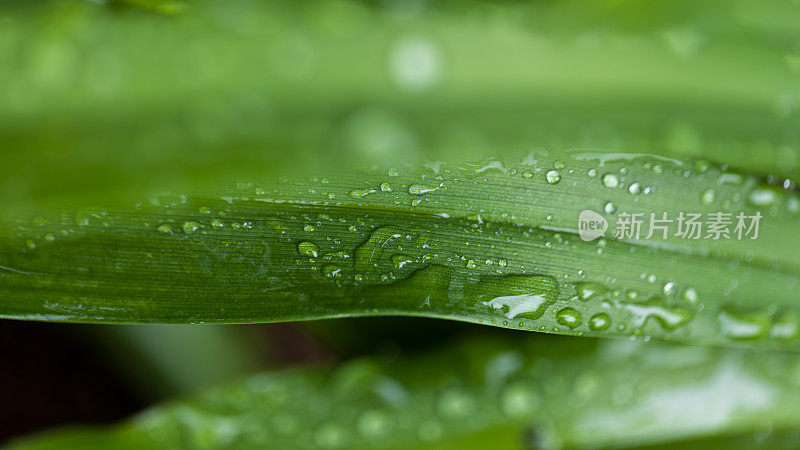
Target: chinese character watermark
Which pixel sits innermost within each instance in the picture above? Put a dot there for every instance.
(662, 226)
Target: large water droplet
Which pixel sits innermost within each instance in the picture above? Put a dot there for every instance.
(610, 180)
(741, 325)
(668, 317)
(569, 317)
(515, 295)
(600, 322)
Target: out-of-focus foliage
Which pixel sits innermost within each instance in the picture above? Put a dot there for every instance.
(133, 100)
(486, 393)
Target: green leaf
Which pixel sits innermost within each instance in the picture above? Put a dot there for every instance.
(135, 101)
(490, 392)
(492, 243)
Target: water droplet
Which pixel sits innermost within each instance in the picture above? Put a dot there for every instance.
(394, 173)
(420, 189)
(216, 223)
(309, 228)
(553, 177)
(785, 327)
(568, 317)
(600, 322)
(164, 229)
(306, 248)
(668, 317)
(400, 261)
(763, 196)
(690, 295)
(525, 296)
(592, 173)
(740, 325)
(610, 180)
(701, 166)
(190, 227)
(610, 208)
(670, 288)
(707, 197)
(586, 290)
(369, 253)
(634, 188)
(358, 193)
(733, 179)
(527, 174)
(386, 187)
(332, 271)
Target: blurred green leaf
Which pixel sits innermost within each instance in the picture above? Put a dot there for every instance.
(161, 361)
(135, 101)
(511, 392)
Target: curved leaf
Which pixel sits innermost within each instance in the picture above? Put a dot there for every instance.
(493, 243)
